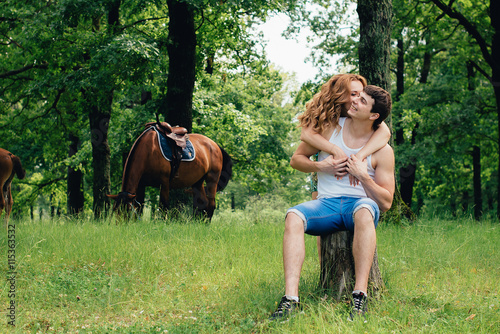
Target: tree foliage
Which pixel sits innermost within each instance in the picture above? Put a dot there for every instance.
(74, 74)
(77, 74)
(444, 111)
(246, 116)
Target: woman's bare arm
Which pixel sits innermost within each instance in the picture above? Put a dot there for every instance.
(318, 141)
(378, 140)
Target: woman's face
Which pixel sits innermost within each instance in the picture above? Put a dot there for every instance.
(356, 88)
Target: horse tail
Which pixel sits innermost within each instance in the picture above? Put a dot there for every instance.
(226, 172)
(18, 168)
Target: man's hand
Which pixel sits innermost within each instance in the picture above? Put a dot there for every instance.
(336, 167)
(357, 168)
(352, 180)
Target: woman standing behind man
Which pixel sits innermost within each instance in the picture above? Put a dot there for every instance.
(321, 118)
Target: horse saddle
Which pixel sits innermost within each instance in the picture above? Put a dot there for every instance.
(174, 142)
(177, 133)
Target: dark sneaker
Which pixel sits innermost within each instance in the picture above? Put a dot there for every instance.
(285, 309)
(359, 300)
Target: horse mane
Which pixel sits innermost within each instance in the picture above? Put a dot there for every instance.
(131, 154)
(16, 162)
(226, 172)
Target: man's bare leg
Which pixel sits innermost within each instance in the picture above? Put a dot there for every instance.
(293, 253)
(363, 247)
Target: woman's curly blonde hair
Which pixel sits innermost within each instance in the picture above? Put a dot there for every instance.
(326, 106)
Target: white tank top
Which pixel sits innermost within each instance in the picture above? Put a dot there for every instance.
(328, 185)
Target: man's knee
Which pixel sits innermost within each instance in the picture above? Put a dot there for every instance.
(294, 223)
(364, 217)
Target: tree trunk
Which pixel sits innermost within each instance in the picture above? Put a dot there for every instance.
(337, 267)
(476, 157)
(375, 18)
(52, 206)
(177, 106)
(400, 70)
(100, 104)
(99, 122)
(400, 85)
(407, 180)
(426, 66)
(495, 55)
(181, 48)
(74, 181)
(406, 173)
(337, 264)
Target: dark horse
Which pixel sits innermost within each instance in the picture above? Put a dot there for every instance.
(9, 165)
(146, 166)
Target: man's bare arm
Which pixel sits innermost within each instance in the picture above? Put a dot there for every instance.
(301, 158)
(380, 189)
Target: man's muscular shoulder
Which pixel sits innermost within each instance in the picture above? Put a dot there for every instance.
(383, 157)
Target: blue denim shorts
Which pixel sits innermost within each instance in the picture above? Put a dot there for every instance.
(328, 215)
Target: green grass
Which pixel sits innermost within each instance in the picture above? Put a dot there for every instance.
(442, 276)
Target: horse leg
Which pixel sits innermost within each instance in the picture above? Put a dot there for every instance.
(2, 206)
(8, 204)
(141, 194)
(164, 194)
(200, 200)
(211, 189)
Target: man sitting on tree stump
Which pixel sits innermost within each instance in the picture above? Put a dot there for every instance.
(341, 205)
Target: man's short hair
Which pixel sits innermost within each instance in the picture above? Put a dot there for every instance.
(382, 104)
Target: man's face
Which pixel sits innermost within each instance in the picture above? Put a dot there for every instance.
(361, 106)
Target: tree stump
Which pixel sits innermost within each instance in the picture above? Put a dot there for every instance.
(337, 267)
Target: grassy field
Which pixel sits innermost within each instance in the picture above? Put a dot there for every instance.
(185, 277)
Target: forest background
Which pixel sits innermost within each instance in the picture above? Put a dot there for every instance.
(79, 79)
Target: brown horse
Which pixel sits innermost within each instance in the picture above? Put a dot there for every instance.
(146, 166)
(9, 165)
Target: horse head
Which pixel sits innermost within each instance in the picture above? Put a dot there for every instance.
(125, 202)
